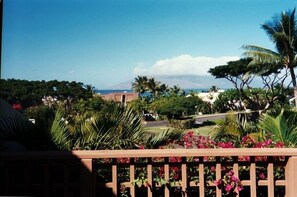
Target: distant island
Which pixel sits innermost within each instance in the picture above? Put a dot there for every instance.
(185, 82)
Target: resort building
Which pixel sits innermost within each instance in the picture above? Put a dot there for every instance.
(209, 97)
(122, 97)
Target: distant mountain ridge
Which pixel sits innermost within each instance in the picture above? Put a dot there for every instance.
(184, 82)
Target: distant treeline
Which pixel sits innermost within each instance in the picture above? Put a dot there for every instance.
(30, 93)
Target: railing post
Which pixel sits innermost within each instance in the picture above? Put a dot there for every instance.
(291, 177)
(132, 177)
(150, 178)
(86, 178)
(114, 175)
(184, 176)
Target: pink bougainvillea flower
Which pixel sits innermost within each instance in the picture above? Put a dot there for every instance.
(262, 176)
(280, 145)
(219, 183)
(228, 188)
(234, 178)
(240, 187)
(230, 173)
(213, 169)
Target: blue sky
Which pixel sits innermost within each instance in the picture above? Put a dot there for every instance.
(105, 42)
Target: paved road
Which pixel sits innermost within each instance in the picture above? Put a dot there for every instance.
(212, 117)
(156, 123)
(201, 119)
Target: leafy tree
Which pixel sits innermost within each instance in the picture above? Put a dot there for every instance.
(282, 31)
(224, 101)
(241, 73)
(94, 104)
(31, 92)
(176, 107)
(141, 105)
(172, 108)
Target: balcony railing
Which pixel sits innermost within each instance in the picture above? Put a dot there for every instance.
(102, 172)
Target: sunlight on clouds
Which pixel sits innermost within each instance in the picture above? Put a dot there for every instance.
(183, 65)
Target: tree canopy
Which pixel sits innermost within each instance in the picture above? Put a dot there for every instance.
(31, 92)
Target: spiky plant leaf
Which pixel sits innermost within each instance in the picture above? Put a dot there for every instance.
(115, 127)
(59, 133)
(279, 129)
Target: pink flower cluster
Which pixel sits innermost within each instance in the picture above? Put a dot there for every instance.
(229, 182)
(191, 140)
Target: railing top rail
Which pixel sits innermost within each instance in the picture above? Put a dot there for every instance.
(89, 154)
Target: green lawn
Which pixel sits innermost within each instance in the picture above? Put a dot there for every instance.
(205, 130)
(156, 130)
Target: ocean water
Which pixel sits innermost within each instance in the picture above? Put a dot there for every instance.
(112, 91)
(129, 91)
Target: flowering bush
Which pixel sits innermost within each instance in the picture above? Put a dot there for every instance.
(228, 183)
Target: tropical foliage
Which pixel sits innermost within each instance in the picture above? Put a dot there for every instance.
(282, 31)
(67, 117)
(282, 128)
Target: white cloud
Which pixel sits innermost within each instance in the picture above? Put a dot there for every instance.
(183, 65)
(71, 72)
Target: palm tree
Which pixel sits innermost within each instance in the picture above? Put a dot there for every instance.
(283, 33)
(163, 89)
(153, 87)
(140, 84)
(213, 89)
(175, 90)
(89, 88)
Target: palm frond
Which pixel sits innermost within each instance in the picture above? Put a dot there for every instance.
(59, 133)
(261, 55)
(235, 126)
(117, 128)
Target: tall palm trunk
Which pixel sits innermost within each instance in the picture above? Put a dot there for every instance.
(295, 95)
(293, 77)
